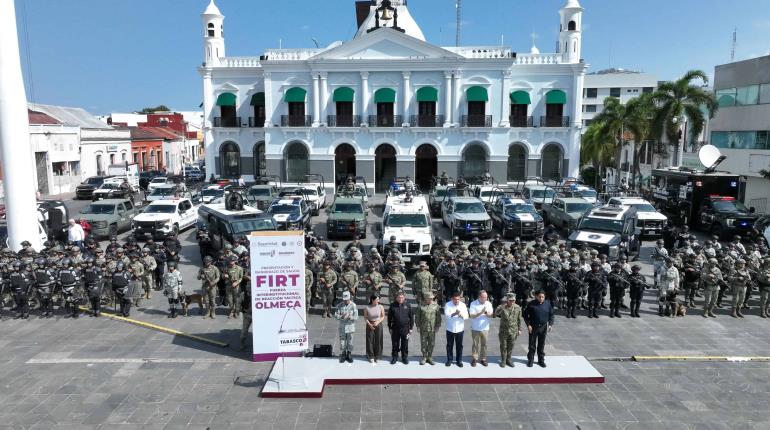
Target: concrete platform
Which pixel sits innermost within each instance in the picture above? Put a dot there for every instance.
(300, 377)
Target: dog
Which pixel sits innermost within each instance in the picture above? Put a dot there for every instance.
(187, 299)
(681, 310)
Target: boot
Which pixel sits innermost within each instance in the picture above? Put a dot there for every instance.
(705, 312)
(349, 357)
(734, 314)
(342, 356)
(617, 312)
(711, 312)
(211, 313)
(173, 312)
(572, 312)
(636, 309)
(660, 311)
(596, 313)
(612, 311)
(740, 314)
(762, 313)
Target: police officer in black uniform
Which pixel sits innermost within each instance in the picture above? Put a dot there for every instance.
(46, 280)
(618, 284)
(92, 277)
(21, 282)
(121, 280)
(69, 280)
(597, 287)
(637, 284)
(573, 285)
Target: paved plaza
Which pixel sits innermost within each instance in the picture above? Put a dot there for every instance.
(100, 373)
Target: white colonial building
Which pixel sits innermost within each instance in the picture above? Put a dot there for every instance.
(388, 103)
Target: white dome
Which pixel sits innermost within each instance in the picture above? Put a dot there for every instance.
(534, 50)
(572, 4)
(212, 9)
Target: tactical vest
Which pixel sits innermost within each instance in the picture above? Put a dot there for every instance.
(66, 277)
(119, 281)
(91, 276)
(43, 277)
(18, 281)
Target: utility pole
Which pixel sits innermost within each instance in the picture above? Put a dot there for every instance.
(21, 206)
(459, 6)
(735, 42)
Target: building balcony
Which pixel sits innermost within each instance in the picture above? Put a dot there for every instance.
(522, 121)
(227, 121)
(554, 121)
(296, 121)
(343, 120)
(476, 121)
(426, 120)
(256, 122)
(625, 167)
(385, 120)
(660, 148)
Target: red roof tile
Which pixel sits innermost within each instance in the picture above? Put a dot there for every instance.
(153, 133)
(39, 118)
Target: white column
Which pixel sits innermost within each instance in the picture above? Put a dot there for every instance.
(505, 100)
(407, 97)
(208, 132)
(324, 97)
(447, 99)
(457, 98)
(14, 135)
(316, 102)
(268, 83)
(364, 97)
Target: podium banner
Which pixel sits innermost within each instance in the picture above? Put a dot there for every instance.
(278, 310)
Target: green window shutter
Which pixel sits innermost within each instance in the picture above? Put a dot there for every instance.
(520, 98)
(258, 99)
(427, 94)
(226, 99)
(385, 95)
(295, 95)
(343, 94)
(477, 94)
(556, 97)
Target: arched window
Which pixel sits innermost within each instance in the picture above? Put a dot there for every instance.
(477, 98)
(230, 160)
(554, 109)
(474, 161)
(260, 162)
(385, 99)
(517, 163)
(228, 115)
(552, 161)
(211, 30)
(296, 162)
(572, 26)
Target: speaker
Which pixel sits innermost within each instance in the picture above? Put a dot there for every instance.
(322, 350)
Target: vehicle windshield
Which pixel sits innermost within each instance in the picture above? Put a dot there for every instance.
(213, 193)
(518, 208)
(440, 193)
(260, 192)
(729, 206)
(163, 192)
(94, 181)
(539, 194)
(599, 224)
(587, 194)
(310, 191)
(347, 208)
(283, 209)
(470, 208)
(156, 180)
(247, 226)
(99, 209)
(406, 220)
(160, 209)
(644, 207)
(487, 193)
(110, 186)
(578, 207)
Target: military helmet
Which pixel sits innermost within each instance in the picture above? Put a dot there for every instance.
(636, 267)
(145, 250)
(456, 238)
(119, 266)
(713, 261)
(595, 264)
(737, 238)
(40, 261)
(659, 242)
(208, 259)
(66, 262)
(16, 264)
(171, 265)
(741, 262)
(392, 238)
(26, 243)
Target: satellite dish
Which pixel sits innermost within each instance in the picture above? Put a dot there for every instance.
(710, 157)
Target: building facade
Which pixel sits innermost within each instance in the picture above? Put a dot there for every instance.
(741, 127)
(388, 103)
(55, 149)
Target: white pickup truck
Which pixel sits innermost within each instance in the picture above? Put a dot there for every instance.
(164, 217)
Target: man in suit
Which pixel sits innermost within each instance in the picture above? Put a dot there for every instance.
(539, 319)
(400, 324)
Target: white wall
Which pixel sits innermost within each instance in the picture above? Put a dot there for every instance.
(61, 145)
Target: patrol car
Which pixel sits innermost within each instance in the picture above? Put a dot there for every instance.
(410, 223)
(608, 229)
(516, 217)
(539, 194)
(164, 217)
(648, 219)
(290, 213)
(162, 192)
(466, 216)
(213, 194)
(226, 225)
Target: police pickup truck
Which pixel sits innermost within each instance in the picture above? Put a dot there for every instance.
(515, 217)
(162, 218)
(648, 219)
(466, 216)
(608, 229)
(290, 213)
(410, 223)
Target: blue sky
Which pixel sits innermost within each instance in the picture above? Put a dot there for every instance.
(122, 55)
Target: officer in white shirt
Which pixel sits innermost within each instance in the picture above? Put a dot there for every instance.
(480, 312)
(455, 313)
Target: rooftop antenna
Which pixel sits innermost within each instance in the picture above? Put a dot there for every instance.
(459, 6)
(735, 42)
(315, 41)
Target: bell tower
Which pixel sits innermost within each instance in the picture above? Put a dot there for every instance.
(213, 35)
(570, 31)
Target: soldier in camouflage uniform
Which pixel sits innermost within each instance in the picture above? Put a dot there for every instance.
(149, 269)
(209, 275)
(327, 280)
(711, 279)
(422, 283)
(510, 327)
(233, 276)
(136, 268)
(428, 322)
(763, 279)
(372, 280)
(396, 282)
(308, 287)
(172, 287)
(349, 280)
(739, 279)
(347, 314)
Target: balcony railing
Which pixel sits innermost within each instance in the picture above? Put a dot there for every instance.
(522, 121)
(385, 120)
(227, 121)
(343, 120)
(296, 121)
(476, 121)
(660, 148)
(426, 120)
(554, 121)
(256, 122)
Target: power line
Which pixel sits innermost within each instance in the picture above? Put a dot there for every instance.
(30, 79)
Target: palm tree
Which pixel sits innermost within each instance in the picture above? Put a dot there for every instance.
(680, 100)
(596, 149)
(620, 122)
